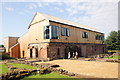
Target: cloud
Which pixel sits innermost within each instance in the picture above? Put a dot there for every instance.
(32, 6)
(102, 16)
(60, 0)
(9, 9)
(59, 9)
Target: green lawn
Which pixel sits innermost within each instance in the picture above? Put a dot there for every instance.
(113, 50)
(3, 69)
(114, 57)
(50, 76)
(22, 66)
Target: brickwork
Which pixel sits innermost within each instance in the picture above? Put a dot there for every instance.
(60, 50)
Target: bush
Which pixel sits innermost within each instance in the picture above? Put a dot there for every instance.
(117, 47)
(4, 56)
(113, 47)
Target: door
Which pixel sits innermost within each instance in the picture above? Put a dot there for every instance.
(30, 53)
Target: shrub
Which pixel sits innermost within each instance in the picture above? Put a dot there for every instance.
(113, 47)
(4, 56)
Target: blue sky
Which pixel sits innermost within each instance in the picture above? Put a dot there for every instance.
(16, 16)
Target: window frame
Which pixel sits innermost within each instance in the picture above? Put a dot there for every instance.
(57, 33)
(85, 35)
(50, 34)
(65, 31)
(45, 33)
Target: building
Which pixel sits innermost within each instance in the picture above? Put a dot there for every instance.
(52, 37)
(9, 42)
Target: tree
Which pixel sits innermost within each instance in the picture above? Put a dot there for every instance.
(113, 40)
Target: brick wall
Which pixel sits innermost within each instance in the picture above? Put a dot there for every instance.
(60, 50)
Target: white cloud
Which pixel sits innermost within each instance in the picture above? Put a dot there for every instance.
(60, 0)
(32, 6)
(103, 16)
(59, 9)
(39, 4)
(9, 9)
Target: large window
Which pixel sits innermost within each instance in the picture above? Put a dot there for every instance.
(51, 32)
(54, 32)
(47, 32)
(84, 35)
(65, 32)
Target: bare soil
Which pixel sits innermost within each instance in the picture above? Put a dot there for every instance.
(89, 69)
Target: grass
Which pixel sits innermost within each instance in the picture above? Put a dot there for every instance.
(113, 50)
(50, 76)
(22, 66)
(3, 69)
(114, 57)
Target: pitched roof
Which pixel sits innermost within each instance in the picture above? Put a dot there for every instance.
(60, 20)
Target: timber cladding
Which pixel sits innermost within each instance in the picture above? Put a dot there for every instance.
(76, 34)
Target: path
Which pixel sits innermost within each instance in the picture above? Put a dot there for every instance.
(88, 68)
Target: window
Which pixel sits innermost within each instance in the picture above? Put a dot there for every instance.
(51, 32)
(84, 35)
(65, 32)
(99, 37)
(46, 32)
(54, 32)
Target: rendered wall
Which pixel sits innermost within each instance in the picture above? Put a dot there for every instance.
(34, 34)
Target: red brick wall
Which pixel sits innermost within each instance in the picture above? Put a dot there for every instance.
(43, 53)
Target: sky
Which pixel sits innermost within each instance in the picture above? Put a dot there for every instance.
(17, 14)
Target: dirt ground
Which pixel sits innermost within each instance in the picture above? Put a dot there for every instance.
(88, 68)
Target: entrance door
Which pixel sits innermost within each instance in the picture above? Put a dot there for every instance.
(30, 53)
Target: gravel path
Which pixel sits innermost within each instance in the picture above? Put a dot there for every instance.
(88, 68)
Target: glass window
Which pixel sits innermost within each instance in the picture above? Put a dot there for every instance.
(99, 37)
(54, 32)
(84, 35)
(46, 32)
(65, 32)
(51, 32)
(103, 38)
